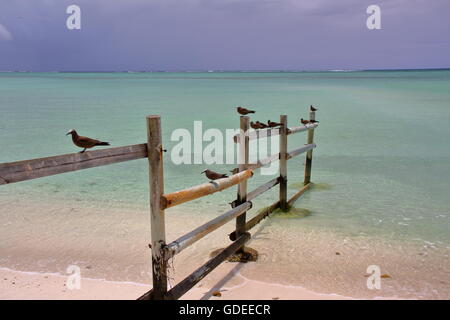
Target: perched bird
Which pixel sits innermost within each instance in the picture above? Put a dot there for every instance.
(273, 124)
(244, 111)
(214, 175)
(256, 125)
(235, 171)
(85, 142)
(304, 121)
(313, 121)
(312, 108)
(263, 125)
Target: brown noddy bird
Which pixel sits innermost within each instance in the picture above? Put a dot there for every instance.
(214, 175)
(263, 125)
(244, 111)
(256, 125)
(273, 124)
(313, 121)
(312, 108)
(304, 121)
(85, 142)
(235, 171)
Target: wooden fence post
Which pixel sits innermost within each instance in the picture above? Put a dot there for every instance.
(308, 163)
(283, 162)
(243, 162)
(156, 181)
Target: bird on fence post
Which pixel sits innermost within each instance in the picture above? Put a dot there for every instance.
(85, 142)
(312, 108)
(244, 111)
(212, 175)
(305, 122)
(273, 124)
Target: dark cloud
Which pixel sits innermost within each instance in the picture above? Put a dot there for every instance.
(224, 34)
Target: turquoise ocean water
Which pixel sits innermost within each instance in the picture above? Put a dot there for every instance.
(381, 168)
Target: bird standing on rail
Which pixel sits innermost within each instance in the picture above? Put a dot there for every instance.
(214, 175)
(244, 111)
(263, 125)
(312, 108)
(256, 125)
(85, 142)
(235, 171)
(273, 124)
(304, 121)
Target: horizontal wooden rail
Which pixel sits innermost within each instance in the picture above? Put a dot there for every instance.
(185, 241)
(42, 167)
(179, 197)
(258, 134)
(263, 188)
(259, 190)
(276, 156)
(268, 210)
(264, 162)
(302, 128)
(264, 133)
(257, 219)
(298, 194)
(189, 282)
(301, 150)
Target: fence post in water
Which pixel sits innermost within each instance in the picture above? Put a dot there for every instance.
(243, 162)
(308, 163)
(283, 162)
(156, 180)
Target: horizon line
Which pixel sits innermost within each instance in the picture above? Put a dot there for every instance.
(225, 71)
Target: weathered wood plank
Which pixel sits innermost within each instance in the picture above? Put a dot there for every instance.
(265, 133)
(259, 190)
(263, 188)
(146, 296)
(189, 282)
(257, 219)
(157, 219)
(298, 129)
(301, 150)
(178, 197)
(264, 162)
(297, 195)
(283, 162)
(243, 163)
(309, 154)
(42, 167)
(188, 239)
(258, 134)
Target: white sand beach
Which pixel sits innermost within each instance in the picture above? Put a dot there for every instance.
(49, 286)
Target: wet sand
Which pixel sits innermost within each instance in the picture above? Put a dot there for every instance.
(111, 245)
(44, 286)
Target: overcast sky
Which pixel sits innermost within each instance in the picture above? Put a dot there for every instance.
(223, 35)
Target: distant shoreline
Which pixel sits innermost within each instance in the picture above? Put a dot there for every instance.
(234, 71)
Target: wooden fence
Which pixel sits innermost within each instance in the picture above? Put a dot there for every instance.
(162, 251)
